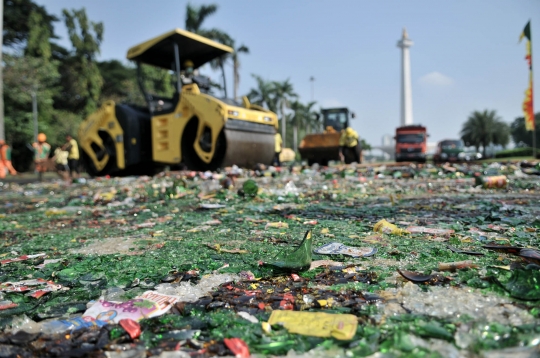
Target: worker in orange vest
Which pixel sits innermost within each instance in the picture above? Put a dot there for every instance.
(5, 160)
(2, 165)
(42, 150)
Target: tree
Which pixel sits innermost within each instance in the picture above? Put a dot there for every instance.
(119, 83)
(284, 93)
(17, 24)
(521, 136)
(236, 66)
(195, 16)
(262, 95)
(86, 37)
(219, 62)
(302, 118)
(23, 75)
(485, 128)
(38, 44)
(365, 145)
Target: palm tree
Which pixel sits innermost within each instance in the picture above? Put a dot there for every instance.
(302, 118)
(195, 16)
(311, 116)
(224, 38)
(297, 119)
(283, 93)
(485, 128)
(236, 67)
(262, 95)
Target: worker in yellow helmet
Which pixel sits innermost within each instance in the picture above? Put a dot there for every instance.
(348, 146)
(278, 146)
(187, 74)
(42, 149)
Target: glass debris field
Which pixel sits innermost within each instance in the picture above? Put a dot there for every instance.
(297, 262)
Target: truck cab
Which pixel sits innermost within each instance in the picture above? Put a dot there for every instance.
(411, 143)
(450, 150)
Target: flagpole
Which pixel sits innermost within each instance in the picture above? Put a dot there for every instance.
(532, 94)
(534, 142)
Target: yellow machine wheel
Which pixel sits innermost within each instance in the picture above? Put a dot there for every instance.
(190, 158)
(109, 150)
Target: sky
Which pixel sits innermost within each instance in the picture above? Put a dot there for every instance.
(465, 56)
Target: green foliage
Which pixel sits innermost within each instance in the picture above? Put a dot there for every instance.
(22, 76)
(365, 145)
(86, 37)
(485, 128)
(280, 96)
(263, 94)
(301, 120)
(67, 83)
(17, 25)
(516, 152)
(38, 38)
(119, 83)
(522, 137)
(236, 66)
(158, 81)
(195, 16)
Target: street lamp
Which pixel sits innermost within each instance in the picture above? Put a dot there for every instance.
(35, 111)
(312, 80)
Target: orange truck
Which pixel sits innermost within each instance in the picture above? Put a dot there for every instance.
(411, 143)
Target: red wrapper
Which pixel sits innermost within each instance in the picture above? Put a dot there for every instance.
(132, 327)
(238, 347)
(7, 306)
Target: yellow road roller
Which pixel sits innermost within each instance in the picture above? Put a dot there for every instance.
(194, 127)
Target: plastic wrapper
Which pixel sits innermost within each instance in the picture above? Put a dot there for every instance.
(385, 227)
(317, 324)
(4, 305)
(21, 258)
(25, 285)
(187, 292)
(149, 304)
(336, 248)
(72, 324)
(428, 230)
(238, 347)
(132, 327)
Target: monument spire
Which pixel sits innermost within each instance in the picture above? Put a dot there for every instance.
(406, 90)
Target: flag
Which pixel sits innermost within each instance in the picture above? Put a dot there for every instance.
(528, 110)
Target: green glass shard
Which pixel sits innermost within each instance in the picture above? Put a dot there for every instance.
(298, 260)
(250, 187)
(524, 284)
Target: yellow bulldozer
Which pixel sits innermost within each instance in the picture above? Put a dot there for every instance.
(322, 147)
(194, 127)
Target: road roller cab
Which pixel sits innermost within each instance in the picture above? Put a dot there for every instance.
(192, 126)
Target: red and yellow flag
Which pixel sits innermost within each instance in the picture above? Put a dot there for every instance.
(528, 110)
